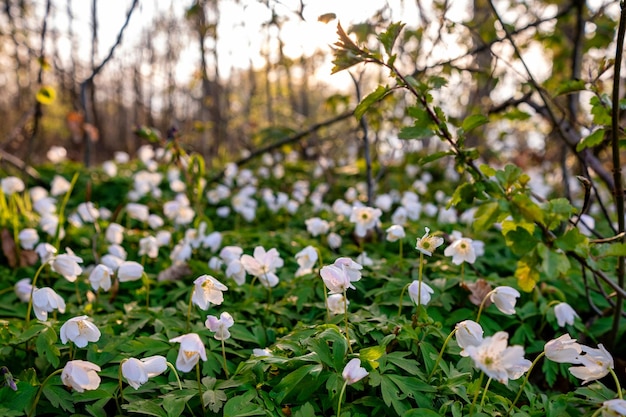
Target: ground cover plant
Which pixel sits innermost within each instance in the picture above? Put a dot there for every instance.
(289, 287)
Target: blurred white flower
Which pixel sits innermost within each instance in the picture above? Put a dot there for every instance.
(11, 185)
(565, 314)
(111, 261)
(155, 221)
(336, 279)
(81, 375)
(564, 349)
(263, 265)
(468, 333)
(46, 300)
(37, 193)
(114, 233)
(461, 250)
(100, 277)
(614, 408)
(88, 212)
(497, 360)
(334, 240)
(383, 202)
(28, 238)
(395, 233)
(213, 241)
(586, 224)
(428, 243)
(22, 289)
(230, 253)
(59, 186)
(45, 206)
(596, 364)
(306, 260)
(80, 331)
(364, 260)
(353, 371)
(337, 304)
(399, 216)
(109, 168)
(56, 154)
(220, 326)
(365, 219)
(316, 226)
(207, 290)
(137, 211)
(149, 246)
(45, 251)
(505, 298)
(138, 371)
(67, 265)
(420, 297)
(351, 268)
(191, 351)
(121, 157)
(129, 271)
(181, 252)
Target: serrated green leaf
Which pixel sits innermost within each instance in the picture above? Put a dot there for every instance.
(46, 346)
(242, 406)
(415, 132)
(291, 384)
(434, 157)
(59, 397)
(474, 121)
(369, 100)
(520, 241)
(487, 170)
(145, 407)
(388, 37)
(306, 410)
(554, 264)
(570, 86)
(486, 215)
(592, 140)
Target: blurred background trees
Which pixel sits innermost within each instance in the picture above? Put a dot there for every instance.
(166, 74)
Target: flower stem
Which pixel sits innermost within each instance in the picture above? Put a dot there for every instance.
(617, 384)
(200, 387)
(169, 365)
(521, 388)
(224, 357)
(480, 383)
(66, 198)
(146, 281)
(482, 305)
(445, 343)
(419, 278)
(119, 379)
(482, 400)
(402, 296)
(40, 390)
(15, 220)
(343, 390)
(345, 318)
(32, 290)
(189, 309)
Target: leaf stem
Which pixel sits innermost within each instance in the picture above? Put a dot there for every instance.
(224, 357)
(445, 343)
(521, 388)
(343, 390)
(40, 390)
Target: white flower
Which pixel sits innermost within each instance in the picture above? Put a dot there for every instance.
(354, 372)
(137, 211)
(337, 304)
(111, 261)
(100, 277)
(336, 279)
(263, 265)
(181, 252)
(595, 364)
(230, 253)
(109, 168)
(80, 331)
(364, 260)
(420, 297)
(461, 250)
(260, 353)
(149, 246)
(28, 238)
(563, 350)
(67, 265)
(497, 360)
(215, 263)
(333, 240)
(306, 259)
(213, 241)
(155, 221)
(395, 233)
(114, 234)
(88, 212)
(427, 243)
(220, 326)
(565, 314)
(11, 185)
(23, 288)
(208, 290)
(399, 216)
(129, 271)
(504, 298)
(163, 238)
(138, 371)
(351, 268)
(81, 375)
(365, 219)
(236, 271)
(46, 300)
(614, 408)
(45, 251)
(56, 154)
(468, 333)
(383, 202)
(191, 351)
(316, 226)
(118, 250)
(45, 206)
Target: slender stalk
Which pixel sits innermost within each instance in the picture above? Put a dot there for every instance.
(419, 278)
(15, 220)
(521, 388)
(321, 264)
(345, 318)
(480, 383)
(343, 390)
(445, 343)
(200, 387)
(482, 305)
(40, 390)
(224, 357)
(189, 309)
(401, 297)
(32, 290)
(169, 365)
(618, 387)
(482, 400)
(66, 198)
(146, 281)
(618, 192)
(119, 379)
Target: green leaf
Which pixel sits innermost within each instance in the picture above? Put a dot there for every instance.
(474, 121)
(487, 170)
(46, 346)
(388, 37)
(306, 410)
(570, 86)
(434, 157)
(486, 215)
(369, 100)
(242, 406)
(292, 382)
(612, 249)
(592, 140)
(372, 354)
(554, 264)
(59, 397)
(520, 241)
(415, 132)
(146, 407)
(407, 365)
(601, 109)
(421, 412)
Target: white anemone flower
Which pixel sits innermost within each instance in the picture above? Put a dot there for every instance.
(191, 351)
(208, 290)
(67, 265)
(505, 298)
(337, 304)
(365, 219)
(100, 277)
(46, 300)
(263, 265)
(28, 238)
(306, 260)
(428, 243)
(395, 233)
(316, 226)
(468, 333)
(563, 349)
(137, 372)
(461, 250)
(353, 371)
(80, 331)
(565, 314)
(129, 271)
(336, 279)
(420, 297)
(220, 326)
(81, 375)
(596, 364)
(614, 408)
(114, 234)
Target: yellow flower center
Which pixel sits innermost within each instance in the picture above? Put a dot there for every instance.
(189, 354)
